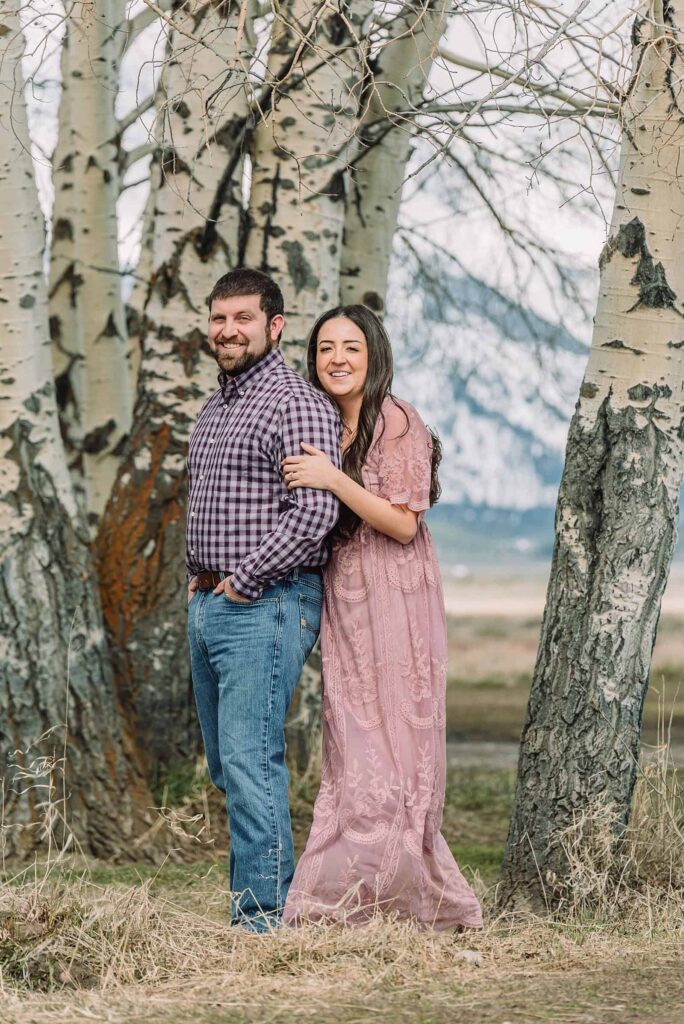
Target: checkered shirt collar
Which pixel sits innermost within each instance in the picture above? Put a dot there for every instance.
(242, 381)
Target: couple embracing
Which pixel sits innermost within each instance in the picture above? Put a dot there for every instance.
(305, 511)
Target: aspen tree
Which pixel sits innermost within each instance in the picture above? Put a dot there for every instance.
(300, 157)
(401, 73)
(195, 226)
(87, 321)
(618, 506)
(65, 759)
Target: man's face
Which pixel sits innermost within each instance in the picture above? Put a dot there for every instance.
(239, 334)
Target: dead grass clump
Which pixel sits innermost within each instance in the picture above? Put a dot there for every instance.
(641, 878)
(77, 933)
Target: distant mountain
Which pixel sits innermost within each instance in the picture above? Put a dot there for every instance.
(469, 537)
(498, 383)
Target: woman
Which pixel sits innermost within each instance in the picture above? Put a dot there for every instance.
(375, 843)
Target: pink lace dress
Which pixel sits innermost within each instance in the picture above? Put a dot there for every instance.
(375, 842)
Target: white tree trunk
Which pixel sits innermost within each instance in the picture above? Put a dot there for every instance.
(617, 514)
(87, 321)
(197, 223)
(401, 73)
(300, 157)
(64, 760)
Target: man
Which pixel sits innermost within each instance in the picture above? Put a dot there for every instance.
(254, 556)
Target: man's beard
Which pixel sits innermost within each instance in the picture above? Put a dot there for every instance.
(244, 362)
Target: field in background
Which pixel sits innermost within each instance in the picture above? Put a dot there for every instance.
(494, 622)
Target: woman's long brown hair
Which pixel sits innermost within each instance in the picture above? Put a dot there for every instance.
(376, 388)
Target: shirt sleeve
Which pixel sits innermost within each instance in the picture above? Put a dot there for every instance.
(311, 513)
(404, 459)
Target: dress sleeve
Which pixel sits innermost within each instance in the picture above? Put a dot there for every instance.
(404, 458)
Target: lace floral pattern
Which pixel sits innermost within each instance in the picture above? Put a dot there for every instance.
(375, 841)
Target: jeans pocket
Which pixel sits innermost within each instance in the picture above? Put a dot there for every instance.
(309, 623)
(231, 600)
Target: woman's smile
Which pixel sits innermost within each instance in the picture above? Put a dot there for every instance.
(342, 357)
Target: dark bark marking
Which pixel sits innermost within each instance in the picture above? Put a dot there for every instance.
(588, 390)
(637, 25)
(110, 329)
(96, 440)
(181, 108)
(653, 287)
(172, 163)
(649, 278)
(63, 230)
(167, 282)
(190, 349)
(235, 138)
(373, 301)
(619, 344)
(642, 392)
(299, 268)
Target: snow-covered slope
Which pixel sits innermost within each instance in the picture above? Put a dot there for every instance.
(496, 381)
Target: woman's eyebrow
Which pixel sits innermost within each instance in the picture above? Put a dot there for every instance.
(345, 341)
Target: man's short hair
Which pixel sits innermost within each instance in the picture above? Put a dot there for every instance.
(246, 281)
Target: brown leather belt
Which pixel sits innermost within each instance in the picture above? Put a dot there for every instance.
(207, 579)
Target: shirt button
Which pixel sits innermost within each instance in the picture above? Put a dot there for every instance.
(192, 551)
(211, 440)
(192, 514)
(201, 476)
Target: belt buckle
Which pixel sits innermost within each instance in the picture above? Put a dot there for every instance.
(205, 580)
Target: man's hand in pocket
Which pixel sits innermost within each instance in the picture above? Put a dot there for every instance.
(224, 587)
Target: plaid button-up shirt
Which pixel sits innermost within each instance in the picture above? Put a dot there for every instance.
(241, 517)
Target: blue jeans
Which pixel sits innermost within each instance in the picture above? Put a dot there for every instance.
(246, 661)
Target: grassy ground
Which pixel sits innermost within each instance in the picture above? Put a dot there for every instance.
(138, 943)
(142, 943)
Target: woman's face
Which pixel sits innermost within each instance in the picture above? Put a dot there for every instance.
(341, 358)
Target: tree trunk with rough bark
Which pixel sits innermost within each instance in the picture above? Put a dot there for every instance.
(297, 207)
(401, 73)
(617, 513)
(87, 321)
(300, 157)
(197, 220)
(64, 757)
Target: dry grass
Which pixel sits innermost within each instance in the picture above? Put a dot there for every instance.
(89, 941)
(643, 879)
(134, 952)
(72, 948)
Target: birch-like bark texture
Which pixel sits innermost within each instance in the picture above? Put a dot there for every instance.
(87, 321)
(617, 513)
(401, 73)
(63, 755)
(197, 217)
(300, 157)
